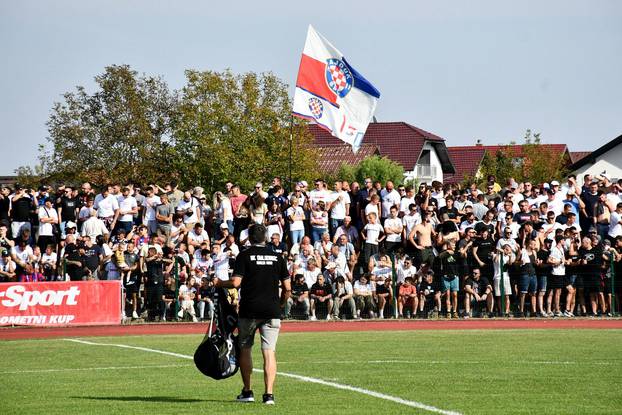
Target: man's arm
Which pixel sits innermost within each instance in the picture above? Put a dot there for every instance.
(234, 282)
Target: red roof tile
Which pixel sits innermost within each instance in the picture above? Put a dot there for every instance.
(331, 157)
(517, 149)
(399, 141)
(466, 160)
(578, 155)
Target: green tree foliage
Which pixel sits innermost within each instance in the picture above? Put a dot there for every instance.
(119, 133)
(380, 168)
(531, 162)
(237, 128)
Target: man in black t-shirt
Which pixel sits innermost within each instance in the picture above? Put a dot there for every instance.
(258, 272)
(321, 292)
(478, 290)
(591, 259)
(22, 206)
(68, 207)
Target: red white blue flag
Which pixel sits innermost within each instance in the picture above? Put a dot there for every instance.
(330, 92)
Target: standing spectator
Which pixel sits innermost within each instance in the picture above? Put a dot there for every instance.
(319, 221)
(296, 216)
(94, 227)
(128, 207)
(107, 207)
(528, 283)
(240, 219)
(557, 259)
(164, 218)
(393, 229)
(149, 213)
(155, 283)
(450, 265)
(339, 203)
(502, 259)
(390, 197)
(48, 220)
(68, 208)
(372, 234)
(22, 205)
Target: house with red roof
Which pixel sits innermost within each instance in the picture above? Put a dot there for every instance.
(423, 155)
(468, 159)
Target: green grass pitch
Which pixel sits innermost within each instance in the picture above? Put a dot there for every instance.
(468, 372)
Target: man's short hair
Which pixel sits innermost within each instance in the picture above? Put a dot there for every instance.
(257, 234)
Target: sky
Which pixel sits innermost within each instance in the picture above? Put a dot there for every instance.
(464, 70)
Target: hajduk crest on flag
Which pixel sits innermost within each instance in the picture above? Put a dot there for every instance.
(330, 92)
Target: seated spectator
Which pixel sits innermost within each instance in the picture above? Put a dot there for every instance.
(363, 296)
(48, 263)
(478, 291)
(384, 294)
(407, 298)
(344, 298)
(299, 298)
(321, 293)
(7, 267)
(205, 298)
(187, 295)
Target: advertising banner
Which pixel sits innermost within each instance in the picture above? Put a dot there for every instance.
(60, 303)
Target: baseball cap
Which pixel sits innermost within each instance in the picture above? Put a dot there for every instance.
(554, 183)
(223, 226)
(70, 224)
(331, 265)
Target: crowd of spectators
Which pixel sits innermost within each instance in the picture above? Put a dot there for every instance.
(358, 250)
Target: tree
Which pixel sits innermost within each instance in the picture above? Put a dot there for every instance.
(381, 169)
(237, 128)
(119, 133)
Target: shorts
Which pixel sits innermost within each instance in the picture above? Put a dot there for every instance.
(507, 288)
(570, 280)
(528, 284)
(557, 282)
(541, 283)
(268, 330)
(450, 283)
(578, 282)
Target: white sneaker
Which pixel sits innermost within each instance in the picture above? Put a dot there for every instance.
(327, 316)
(194, 319)
(180, 314)
(312, 318)
(134, 314)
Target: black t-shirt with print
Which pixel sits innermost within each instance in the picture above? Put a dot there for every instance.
(321, 290)
(299, 289)
(68, 206)
(261, 271)
(478, 286)
(20, 209)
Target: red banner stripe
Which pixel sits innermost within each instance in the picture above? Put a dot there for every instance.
(312, 78)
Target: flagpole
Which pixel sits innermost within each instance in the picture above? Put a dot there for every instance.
(291, 139)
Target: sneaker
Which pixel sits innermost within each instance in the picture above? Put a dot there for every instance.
(327, 317)
(568, 314)
(448, 315)
(558, 314)
(268, 399)
(180, 314)
(194, 319)
(466, 317)
(246, 396)
(454, 315)
(312, 318)
(135, 315)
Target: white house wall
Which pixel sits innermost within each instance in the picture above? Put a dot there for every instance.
(435, 163)
(610, 162)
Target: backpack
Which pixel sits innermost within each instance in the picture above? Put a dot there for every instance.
(218, 354)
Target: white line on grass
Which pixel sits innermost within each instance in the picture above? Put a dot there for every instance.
(413, 404)
(77, 369)
(468, 362)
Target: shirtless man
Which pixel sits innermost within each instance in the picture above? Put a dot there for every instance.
(421, 238)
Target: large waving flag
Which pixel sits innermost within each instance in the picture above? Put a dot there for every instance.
(332, 93)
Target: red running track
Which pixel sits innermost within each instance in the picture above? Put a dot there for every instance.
(307, 326)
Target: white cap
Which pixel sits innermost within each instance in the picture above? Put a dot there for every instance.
(70, 224)
(554, 183)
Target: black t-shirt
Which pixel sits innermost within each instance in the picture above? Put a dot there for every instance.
(544, 269)
(480, 226)
(594, 258)
(521, 217)
(451, 213)
(590, 200)
(72, 253)
(4, 208)
(485, 247)
(155, 274)
(321, 290)
(21, 209)
(478, 286)
(68, 206)
(261, 270)
(91, 257)
(450, 263)
(299, 289)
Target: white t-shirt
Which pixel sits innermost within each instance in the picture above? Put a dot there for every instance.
(50, 259)
(202, 237)
(106, 206)
(221, 266)
(497, 265)
(410, 221)
(296, 225)
(393, 223)
(150, 204)
(372, 230)
(192, 204)
(46, 229)
(558, 254)
(372, 208)
(405, 202)
(364, 288)
(389, 199)
(22, 255)
(339, 210)
(316, 195)
(403, 273)
(311, 276)
(126, 204)
(615, 224)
